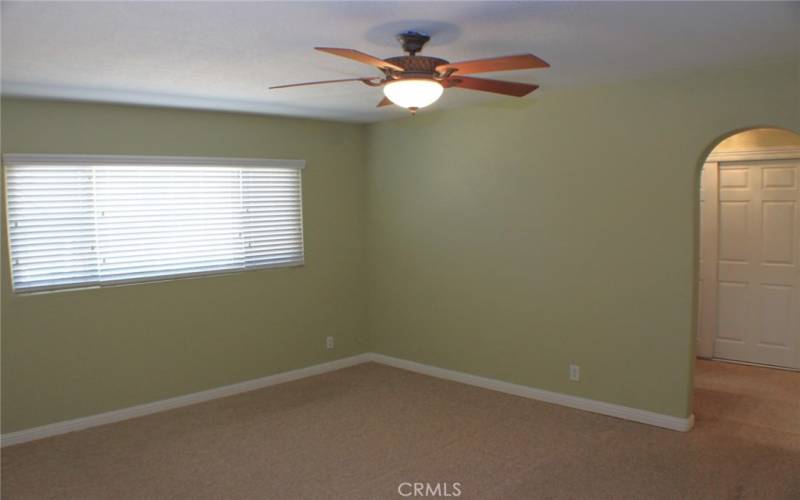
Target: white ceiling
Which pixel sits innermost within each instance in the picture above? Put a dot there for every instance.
(224, 55)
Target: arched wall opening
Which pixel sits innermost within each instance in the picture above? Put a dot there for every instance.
(747, 321)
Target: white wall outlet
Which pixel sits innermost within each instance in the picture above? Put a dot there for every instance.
(574, 373)
(329, 343)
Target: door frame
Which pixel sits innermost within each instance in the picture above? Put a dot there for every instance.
(709, 236)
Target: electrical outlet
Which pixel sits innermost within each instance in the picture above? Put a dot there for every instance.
(329, 343)
(574, 373)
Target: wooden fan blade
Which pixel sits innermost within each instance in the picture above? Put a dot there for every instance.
(321, 82)
(504, 63)
(384, 102)
(515, 89)
(360, 57)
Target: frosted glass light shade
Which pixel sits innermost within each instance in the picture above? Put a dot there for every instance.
(413, 92)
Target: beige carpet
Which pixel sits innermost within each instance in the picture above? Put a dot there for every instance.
(360, 432)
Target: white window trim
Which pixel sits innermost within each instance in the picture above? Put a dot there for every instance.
(11, 159)
(34, 159)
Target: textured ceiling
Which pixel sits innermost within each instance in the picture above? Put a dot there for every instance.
(224, 55)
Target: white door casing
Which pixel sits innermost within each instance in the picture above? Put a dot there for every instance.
(706, 291)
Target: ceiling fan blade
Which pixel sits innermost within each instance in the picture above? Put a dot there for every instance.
(360, 57)
(321, 82)
(504, 63)
(515, 89)
(384, 102)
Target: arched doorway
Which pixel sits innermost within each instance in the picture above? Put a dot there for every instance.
(747, 375)
(749, 256)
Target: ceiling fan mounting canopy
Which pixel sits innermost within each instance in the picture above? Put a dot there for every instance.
(414, 81)
(413, 41)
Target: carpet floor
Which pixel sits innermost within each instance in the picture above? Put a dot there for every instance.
(360, 432)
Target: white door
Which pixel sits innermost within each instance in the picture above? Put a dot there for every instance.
(758, 288)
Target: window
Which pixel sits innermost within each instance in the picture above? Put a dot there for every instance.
(76, 221)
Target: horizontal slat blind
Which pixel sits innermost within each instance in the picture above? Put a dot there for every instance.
(80, 223)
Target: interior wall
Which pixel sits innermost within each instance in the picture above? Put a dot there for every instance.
(513, 239)
(758, 138)
(508, 241)
(76, 353)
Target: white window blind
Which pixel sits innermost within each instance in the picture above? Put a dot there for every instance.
(76, 221)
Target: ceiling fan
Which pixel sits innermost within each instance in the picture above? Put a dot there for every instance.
(415, 81)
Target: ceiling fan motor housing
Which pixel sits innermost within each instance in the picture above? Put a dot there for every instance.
(417, 64)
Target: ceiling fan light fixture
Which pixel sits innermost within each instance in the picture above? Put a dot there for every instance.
(413, 93)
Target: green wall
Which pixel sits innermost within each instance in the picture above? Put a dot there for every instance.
(513, 239)
(77, 353)
(508, 241)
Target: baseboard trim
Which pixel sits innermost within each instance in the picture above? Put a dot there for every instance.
(613, 410)
(592, 405)
(110, 417)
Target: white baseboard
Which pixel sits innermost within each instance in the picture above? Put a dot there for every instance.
(624, 412)
(176, 402)
(592, 405)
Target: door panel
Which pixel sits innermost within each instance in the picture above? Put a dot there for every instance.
(775, 316)
(732, 304)
(778, 232)
(733, 177)
(733, 234)
(758, 308)
(779, 177)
